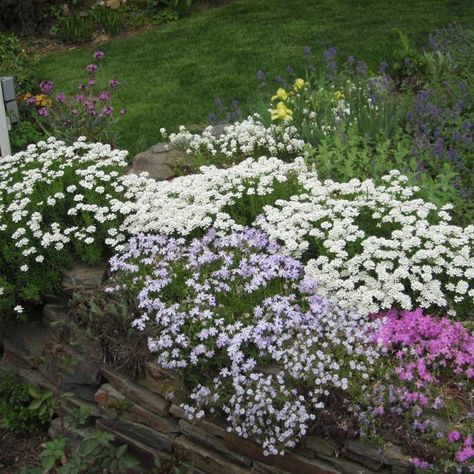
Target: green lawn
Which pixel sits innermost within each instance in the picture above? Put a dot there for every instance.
(170, 76)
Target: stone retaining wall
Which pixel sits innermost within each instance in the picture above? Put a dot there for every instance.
(144, 414)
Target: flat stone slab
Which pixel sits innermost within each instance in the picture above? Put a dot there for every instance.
(84, 277)
(160, 162)
(109, 398)
(136, 393)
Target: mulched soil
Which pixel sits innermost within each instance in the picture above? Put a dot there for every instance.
(18, 451)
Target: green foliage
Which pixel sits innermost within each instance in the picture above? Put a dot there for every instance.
(22, 134)
(342, 158)
(73, 29)
(14, 61)
(23, 408)
(407, 64)
(80, 28)
(107, 20)
(96, 453)
(172, 465)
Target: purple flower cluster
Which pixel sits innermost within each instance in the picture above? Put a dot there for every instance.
(91, 103)
(240, 308)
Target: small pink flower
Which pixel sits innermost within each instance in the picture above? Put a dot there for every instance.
(61, 97)
(454, 436)
(379, 411)
(98, 54)
(91, 68)
(46, 87)
(464, 454)
(104, 96)
(43, 111)
(107, 110)
(113, 83)
(123, 112)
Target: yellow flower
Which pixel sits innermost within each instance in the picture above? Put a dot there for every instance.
(281, 112)
(25, 96)
(41, 100)
(281, 94)
(299, 84)
(339, 95)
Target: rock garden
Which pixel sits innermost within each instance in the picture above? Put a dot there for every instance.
(286, 293)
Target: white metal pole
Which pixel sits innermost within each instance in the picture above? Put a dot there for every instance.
(4, 127)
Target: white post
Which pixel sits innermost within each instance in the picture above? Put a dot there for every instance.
(4, 127)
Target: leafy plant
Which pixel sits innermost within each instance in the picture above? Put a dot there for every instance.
(408, 65)
(22, 134)
(73, 29)
(89, 113)
(14, 61)
(96, 453)
(23, 408)
(108, 20)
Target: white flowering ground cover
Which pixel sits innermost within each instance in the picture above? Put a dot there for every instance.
(368, 247)
(241, 139)
(56, 204)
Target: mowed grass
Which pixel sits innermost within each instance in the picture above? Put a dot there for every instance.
(171, 75)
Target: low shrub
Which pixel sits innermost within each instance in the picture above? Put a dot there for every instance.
(235, 318)
(222, 309)
(95, 453)
(22, 134)
(82, 27)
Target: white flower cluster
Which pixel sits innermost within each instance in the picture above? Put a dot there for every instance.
(249, 137)
(369, 247)
(79, 181)
(199, 201)
(375, 247)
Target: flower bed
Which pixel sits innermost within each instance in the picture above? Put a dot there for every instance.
(286, 298)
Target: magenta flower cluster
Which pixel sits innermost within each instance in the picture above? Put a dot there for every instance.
(425, 346)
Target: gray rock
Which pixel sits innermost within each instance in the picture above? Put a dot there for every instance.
(76, 435)
(366, 452)
(111, 399)
(54, 314)
(160, 162)
(393, 456)
(197, 433)
(346, 466)
(326, 446)
(204, 458)
(143, 434)
(83, 277)
(146, 454)
(136, 393)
